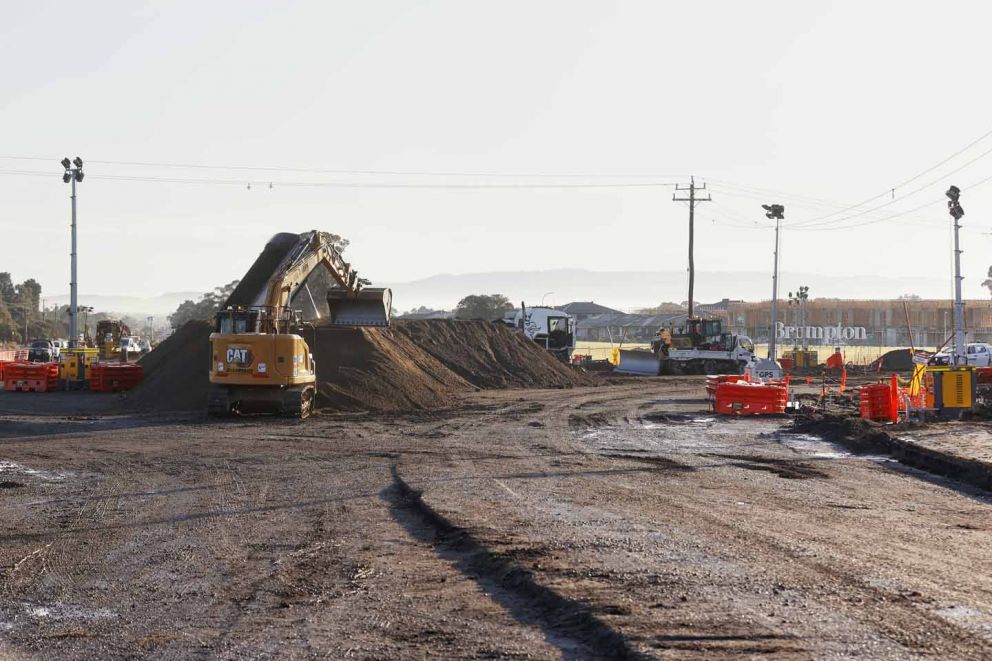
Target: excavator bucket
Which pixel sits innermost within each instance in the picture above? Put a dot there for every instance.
(367, 307)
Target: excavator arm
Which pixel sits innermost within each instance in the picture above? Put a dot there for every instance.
(287, 262)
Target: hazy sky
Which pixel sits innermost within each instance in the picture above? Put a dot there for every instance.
(834, 101)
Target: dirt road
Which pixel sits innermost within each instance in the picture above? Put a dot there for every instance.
(601, 522)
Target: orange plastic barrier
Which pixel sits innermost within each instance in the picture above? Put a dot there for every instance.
(877, 402)
(31, 377)
(713, 381)
(737, 398)
(115, 377)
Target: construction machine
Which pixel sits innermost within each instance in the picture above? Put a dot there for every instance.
(550, 328)
(259, 359)
(108, 337)
(698, 346)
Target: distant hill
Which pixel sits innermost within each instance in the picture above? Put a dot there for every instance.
(624, 290)
(154, 306)
(627, 290)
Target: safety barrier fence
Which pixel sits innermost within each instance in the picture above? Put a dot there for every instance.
(19, 376)
(115, 377)
(30, 377)
(744, 398)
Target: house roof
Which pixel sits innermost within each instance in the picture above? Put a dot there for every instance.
(587, 307)
(622, 320)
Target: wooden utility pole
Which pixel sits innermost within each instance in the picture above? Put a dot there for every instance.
(693, 201)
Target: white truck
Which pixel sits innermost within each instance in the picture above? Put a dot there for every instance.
(551, 328)
(977, 354)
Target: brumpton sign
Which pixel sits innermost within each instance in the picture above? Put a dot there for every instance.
(828, 334)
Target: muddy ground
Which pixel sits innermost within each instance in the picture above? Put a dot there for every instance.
(621, 520)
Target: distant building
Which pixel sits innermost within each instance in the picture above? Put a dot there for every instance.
(585, 309)
(718, 309)
(884, 321)
(637, 328)
(427, 314)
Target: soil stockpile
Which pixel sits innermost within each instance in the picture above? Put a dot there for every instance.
(375, 369)
(176, 370)
(489, 355)
(410, 365)
(897, 360)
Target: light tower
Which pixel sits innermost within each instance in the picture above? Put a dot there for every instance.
(72, 175)
(954, 209)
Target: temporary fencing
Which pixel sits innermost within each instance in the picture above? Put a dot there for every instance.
(31, 377)
(744, 398)
(115, 377)
(713, 381)
(878, 403)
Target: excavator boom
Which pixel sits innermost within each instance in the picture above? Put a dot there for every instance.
(286, 262)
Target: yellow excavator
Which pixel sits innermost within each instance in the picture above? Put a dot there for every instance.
(259, 360)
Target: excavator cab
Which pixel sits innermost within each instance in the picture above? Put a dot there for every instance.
(369, 306)
(236, 321)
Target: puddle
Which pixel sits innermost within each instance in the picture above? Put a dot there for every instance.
(971, 619)
(815, 447)
(47, 476)
(67, 612)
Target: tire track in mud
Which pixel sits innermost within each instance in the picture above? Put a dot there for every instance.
(899, 618)
(568, 624)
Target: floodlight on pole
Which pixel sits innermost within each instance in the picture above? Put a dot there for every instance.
(954, 209)
(71, 176)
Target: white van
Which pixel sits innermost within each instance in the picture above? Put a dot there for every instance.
(130, 344)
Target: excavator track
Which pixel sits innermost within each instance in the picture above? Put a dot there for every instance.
(292, 402)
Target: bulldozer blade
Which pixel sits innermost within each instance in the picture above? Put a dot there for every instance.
(367, 307)
(633, 361)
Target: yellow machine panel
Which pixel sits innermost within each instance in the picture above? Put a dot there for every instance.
(956, 389)
(260, 359)
(74, 364)
(951, 390)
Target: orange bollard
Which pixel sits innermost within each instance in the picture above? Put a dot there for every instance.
(894, 398)
(843, 380)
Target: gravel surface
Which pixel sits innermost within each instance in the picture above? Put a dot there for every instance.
(609, 522)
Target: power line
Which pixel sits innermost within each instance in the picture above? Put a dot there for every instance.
(809, 223)
(344, 184)
(892, 189)
(749, 196)
(765, 192)
(398, 173)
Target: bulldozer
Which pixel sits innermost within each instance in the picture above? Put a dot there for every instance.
(259, 361)
(697, 346)
(108, 337)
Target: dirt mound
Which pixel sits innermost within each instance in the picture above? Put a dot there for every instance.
(410, 365)
(897, 360)
(377, 369)
(489, 355)
(176, 370)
